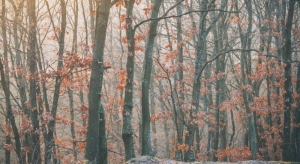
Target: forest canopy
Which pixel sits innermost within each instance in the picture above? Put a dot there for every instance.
(106, 81)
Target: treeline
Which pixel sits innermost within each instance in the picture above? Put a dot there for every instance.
(104, 81)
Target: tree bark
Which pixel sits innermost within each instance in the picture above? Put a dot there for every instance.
(6, 80)
(208, 102)
(189, 138)
(279, 42)
(127, 132)
(180, 89)
(81, 95)
(35, 147)
(199, 62)
(245, 70)
(216, 132)
(153, 113)
(96, 147)
(20, 77)
(176, 106)
(146, 138)
(288, 151)
(51, 126)
(10, 117)
(297, 139)
(221, 86)
(70, 91)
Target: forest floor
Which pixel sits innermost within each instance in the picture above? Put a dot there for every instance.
(153, 160)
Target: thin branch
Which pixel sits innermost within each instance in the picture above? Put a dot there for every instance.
(276, 57)
(218, 55)
(162, 17)
(175, 16)
(18, 104)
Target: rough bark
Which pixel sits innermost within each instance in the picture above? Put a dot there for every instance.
(127, 132)
(216, 132)
(35, 147)
(279, 42)
(180, 88)
(288, 151)
(96, 147)
(297, 139)
(221, 86)
(3, 26)
(208, 101)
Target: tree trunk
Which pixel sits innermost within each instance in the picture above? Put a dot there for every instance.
(179, 98)
(199, 62)
(263, 29)
(166, 123)
(220, 99)
(9, 115)
(70, 91)
(3, 25)
(180, 88)
(245, 67)
(20, 77)
(297, 139)
(146, 138)
(96, 148)
(127, 132)
(221, 116)
(51, 127)
(81, 96)
(288, 151)
(44, 101)
(208, 101)
(5, 85)
(216, 132)
(35, 147)
(8, 142)
(153, 123)
(92, 21)
(279, 42)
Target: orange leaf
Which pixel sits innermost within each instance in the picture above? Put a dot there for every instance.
(9, 147)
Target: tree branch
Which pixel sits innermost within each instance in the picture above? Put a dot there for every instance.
(276, 57)
(175, 16)
(162, 17)
(218, 55)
